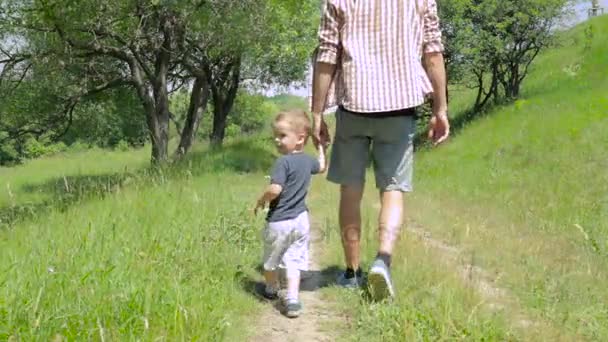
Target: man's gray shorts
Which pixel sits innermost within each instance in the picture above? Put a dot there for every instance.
(286, 244)
(389, 142)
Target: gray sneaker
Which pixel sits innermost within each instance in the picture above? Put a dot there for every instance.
(379, 281)
(349, 283)
(293, 309)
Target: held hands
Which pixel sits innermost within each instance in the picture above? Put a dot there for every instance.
(321, 139)
(322, 160)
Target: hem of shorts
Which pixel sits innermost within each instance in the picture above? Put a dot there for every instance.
(396, 188)
(342, 182)
(287, 218)
(304, 268)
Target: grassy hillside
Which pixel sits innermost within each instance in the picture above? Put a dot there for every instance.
(118, 252)
(95, 246)
(525, 190)
(135, 254)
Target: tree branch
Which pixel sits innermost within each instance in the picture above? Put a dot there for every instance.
(69, 110)
(94, 47)
(117, 82)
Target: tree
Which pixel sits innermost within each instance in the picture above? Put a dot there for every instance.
(492, 43)
(264, 42)
(110, 44)
(157, 46)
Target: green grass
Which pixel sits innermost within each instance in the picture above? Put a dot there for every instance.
(521, 192)
(40, 171)
(172, 254)
(96, 246)
(154, 255)
(525, 189)
(432, 303)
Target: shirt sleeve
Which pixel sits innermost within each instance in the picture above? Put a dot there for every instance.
(329, 34)
(432, 31)
(279, 172)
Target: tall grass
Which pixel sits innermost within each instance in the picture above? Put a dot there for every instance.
(525, 189)
(164, 255)
(95, 246)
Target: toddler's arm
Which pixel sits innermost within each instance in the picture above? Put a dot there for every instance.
(272, 191)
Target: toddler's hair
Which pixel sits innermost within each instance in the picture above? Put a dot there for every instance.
(297, 119)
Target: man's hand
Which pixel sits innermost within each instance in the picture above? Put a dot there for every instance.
(320, 132)
(439, 127)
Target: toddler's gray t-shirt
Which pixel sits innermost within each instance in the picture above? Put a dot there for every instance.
(292, 172)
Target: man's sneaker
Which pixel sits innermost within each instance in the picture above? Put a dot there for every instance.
(379, 281)
(349, 283)
(293, 309)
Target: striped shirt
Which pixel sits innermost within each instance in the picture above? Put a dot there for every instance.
(377, 46)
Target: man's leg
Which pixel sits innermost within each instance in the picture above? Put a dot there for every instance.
(393, 153)
(349, 159)
(350, 224)
(390, 221)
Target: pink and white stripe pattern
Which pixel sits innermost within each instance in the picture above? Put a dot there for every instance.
(377, 46)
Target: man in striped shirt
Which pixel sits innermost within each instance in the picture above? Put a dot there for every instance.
(377, 60)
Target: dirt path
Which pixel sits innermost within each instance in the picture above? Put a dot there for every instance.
(319, 320)
(494, 297)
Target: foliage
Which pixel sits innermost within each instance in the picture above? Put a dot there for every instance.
(250, 114)
(530, 178)
(492, 43)
(106, 119)
(153, 47)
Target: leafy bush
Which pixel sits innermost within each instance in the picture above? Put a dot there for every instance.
(108, 119)
(8, 154)
(251, 113)
(34, 148)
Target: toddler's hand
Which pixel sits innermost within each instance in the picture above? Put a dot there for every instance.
(322, 159)
(259, 205)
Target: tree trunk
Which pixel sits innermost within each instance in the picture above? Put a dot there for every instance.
(224, 87)
(160, 142)
(160, 139)
(219, 124)
(160, 146)
(150, 104)
(514, 82)
(480, 92)
(198, 104)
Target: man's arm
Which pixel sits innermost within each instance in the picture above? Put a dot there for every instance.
(324, 69)
(322, 76)
(439, 128)
(435, 69)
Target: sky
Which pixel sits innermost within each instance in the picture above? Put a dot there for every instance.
(581, 9)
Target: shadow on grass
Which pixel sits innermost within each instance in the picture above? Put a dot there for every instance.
(63, 192)
(310, 281)
(457, 124)
(247, 156)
